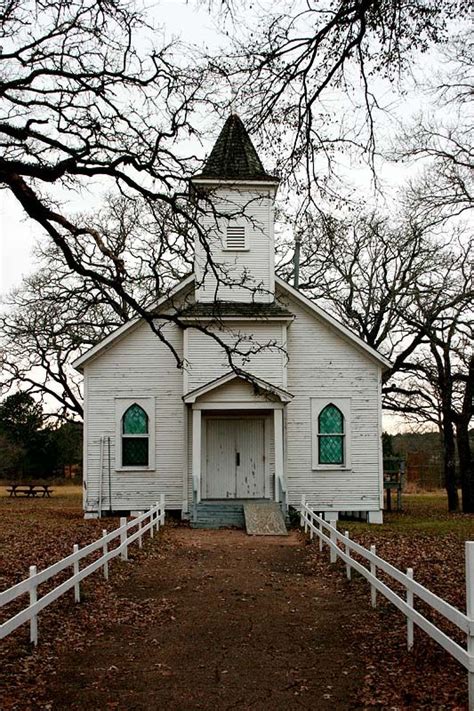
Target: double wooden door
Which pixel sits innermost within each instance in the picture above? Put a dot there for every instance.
(235, 458)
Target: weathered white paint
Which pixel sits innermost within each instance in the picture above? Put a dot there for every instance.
(231, 414)
(138, 367)
(261, 345)
(234, 388)
(196, 456)
(278, 435)
(235, 458)
(240, 272)
(317, 405)
(324, 365)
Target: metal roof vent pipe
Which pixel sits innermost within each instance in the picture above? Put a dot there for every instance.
(296, 261)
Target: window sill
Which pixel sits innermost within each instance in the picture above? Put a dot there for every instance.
(235, 249)
(135, 469)
(331, 468)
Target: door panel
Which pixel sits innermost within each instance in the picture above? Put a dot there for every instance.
(235, 461)
(220, 456)
(250, 474)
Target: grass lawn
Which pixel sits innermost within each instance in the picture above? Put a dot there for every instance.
(425, 537)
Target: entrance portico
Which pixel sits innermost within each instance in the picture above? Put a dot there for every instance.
(238, 440)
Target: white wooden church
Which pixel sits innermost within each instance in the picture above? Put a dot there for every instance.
(301, 415)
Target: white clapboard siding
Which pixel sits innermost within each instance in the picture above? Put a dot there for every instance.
(257, 260)
(237, 390)
(139, 365)
(323, 364)
(208, 360)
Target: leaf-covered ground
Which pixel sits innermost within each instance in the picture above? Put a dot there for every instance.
(424, 536)
(40, 532)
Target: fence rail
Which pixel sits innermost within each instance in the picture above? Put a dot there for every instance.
(148, 521)
(341, 546)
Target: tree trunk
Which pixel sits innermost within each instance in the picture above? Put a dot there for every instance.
(450, 465)
(466, 462)
(466, 465)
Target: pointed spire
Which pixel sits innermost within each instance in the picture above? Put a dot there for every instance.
(234, 156)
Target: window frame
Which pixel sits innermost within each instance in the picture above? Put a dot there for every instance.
(318, 404)
(122, 404)
(136, 435)
(341, 435)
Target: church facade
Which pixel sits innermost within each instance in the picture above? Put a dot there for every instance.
(276, 399)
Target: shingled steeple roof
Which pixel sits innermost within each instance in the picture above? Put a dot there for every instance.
(234, 156)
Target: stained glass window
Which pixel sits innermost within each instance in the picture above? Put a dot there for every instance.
(135, 420)
(331, 435)
(135, 437)
(135, 451)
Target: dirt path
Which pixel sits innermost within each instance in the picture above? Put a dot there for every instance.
(229, 622)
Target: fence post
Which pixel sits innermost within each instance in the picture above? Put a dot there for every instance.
(162, 505)
(470, 614)
(158, 515)
(123, 539)
(373, 589)
(75, 567)
(332, 552)
(33, 599)
(321, 530)
(303, 503)
(140, 542)
(105, 549)
(410, 604)
(347, 551)
(152, 527)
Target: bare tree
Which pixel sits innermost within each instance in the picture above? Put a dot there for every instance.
(409, 294)
(442, 141)
(313, 75)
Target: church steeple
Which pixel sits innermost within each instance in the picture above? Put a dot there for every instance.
(234, 156)
(238, 205)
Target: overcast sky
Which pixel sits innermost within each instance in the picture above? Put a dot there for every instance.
(192, 23)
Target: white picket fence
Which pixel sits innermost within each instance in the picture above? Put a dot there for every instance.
(148, 521)
(327, 533)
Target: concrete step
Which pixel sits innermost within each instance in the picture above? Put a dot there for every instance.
(264, 519)
(218, 515)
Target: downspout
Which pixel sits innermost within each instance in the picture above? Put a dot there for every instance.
(101, 458)
(296, 261)
(110, 477)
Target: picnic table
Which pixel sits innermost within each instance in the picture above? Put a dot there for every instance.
(33, 490)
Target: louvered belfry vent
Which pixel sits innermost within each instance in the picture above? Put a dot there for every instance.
(235, 238)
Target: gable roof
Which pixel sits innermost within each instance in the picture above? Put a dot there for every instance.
(323, 315)
(258, 383)
(119, 332)
(234, 156)
(336, 325)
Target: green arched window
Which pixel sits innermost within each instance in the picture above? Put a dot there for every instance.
(135, 437)
(331, 435)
